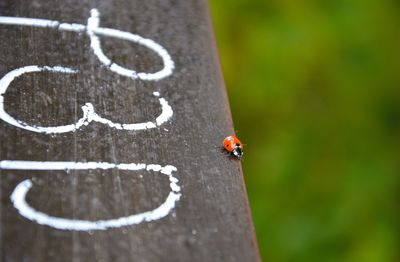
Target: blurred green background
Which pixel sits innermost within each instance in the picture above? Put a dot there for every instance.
(314, 88)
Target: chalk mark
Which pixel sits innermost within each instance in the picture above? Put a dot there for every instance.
(89, 114)
(93, 31)
(18, 196)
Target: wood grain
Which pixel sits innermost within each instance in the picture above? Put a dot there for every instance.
(211, 222)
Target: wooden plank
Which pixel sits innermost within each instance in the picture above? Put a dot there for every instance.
(50, 70)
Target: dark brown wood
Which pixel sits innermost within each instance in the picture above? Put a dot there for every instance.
(211, 221)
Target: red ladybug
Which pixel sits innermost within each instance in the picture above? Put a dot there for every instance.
(233, 145)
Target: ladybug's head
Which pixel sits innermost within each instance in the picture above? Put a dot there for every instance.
(237, 152)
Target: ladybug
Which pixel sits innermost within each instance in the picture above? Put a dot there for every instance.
(233, 145)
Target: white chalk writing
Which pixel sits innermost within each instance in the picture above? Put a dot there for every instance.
(93, 30)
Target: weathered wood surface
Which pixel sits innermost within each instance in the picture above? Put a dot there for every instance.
(210, 222)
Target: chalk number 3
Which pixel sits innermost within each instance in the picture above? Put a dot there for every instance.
(93, 31)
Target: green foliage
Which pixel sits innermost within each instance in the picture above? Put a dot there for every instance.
(314, 88)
